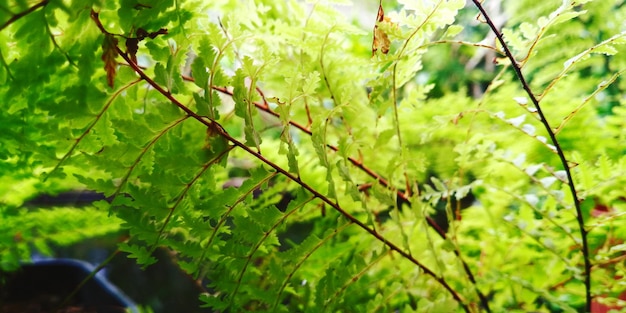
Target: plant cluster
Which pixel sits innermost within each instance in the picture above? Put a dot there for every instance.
(449, 156)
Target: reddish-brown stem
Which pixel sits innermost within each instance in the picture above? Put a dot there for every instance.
(222, 132)
(358, 164)
(308, 113)
(213, 124)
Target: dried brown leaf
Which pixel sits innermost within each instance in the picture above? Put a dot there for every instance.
(109, 53)
(381, 40)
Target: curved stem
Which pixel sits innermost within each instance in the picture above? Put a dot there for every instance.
(483, 299)
(186, 189)
(222, 132)
(356, 163)
(89, 128)
(559, 150)
(86, 280)
(17, 16)
(286, 173)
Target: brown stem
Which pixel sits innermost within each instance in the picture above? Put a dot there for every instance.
(358, 164)
(222, 132)
(17, 16)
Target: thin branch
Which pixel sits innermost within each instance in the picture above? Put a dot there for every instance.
(358, 164)
(602, 86)
(222, 132)
(186, 189)
(395, 104)
(394, 90)
(483, 299)
(575, 60)
(6, 66)
(325, 73)
(17, 16)
(306, 256)
(257, 246)
(354, 279)
(559, 150)
(56, 44)
(225, 216)
(91, 275)
(89, 128)
(381, 180)
(144, 150)
(463, 43)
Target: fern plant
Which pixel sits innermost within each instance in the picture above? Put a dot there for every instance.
(448, 157)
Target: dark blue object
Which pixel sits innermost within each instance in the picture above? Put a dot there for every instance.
(50, 281)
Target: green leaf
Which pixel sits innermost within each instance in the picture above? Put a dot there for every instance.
(311, 83)
(298, 83)
(161, 76)
(244, 109)
(240, 95)
(175, 82)
(202, 106)
(140, 253)
(199, 70)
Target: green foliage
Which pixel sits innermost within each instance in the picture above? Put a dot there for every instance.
(292, 171)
